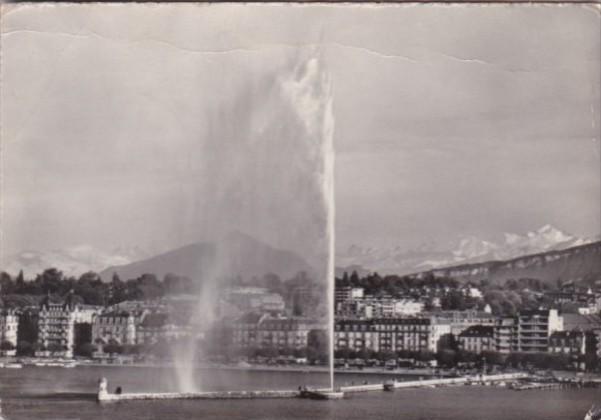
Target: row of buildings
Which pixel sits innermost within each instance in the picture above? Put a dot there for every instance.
(64, 323)
(254, 318)
(257, 318)
(531, 331)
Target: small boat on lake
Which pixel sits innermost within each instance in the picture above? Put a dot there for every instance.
(321, 395)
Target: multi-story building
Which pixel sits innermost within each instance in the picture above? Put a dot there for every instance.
(377, 306)
(413, 334)
(9, 325)
(534, 327)
(572, 343)
(477, 338)
(157, 326)
(57, 320)
(152, 328)
(390, 334)
(345, 294)
(266, 331)
(292, 332)
(245, 330)
(504, 334)
(114, 327)
(354, 334)
(136, 327)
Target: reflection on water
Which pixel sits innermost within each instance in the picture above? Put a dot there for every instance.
(33, 393)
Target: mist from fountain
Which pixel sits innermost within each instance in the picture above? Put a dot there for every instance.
(267, 161)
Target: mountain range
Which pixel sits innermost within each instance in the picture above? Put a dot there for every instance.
(546, 252)
(72, 261)
(581, 262)
(235, 254)
(466, 250)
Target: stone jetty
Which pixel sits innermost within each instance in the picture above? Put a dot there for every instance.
(428, 383)
(105, 396)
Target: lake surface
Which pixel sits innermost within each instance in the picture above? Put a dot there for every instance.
(68, 394)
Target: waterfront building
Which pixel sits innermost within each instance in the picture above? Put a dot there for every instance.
(152, 328)
(477, 338)
(290, 332)
(57, 321)
(160, 326)
(267, 331)
(534, 327)
(245, 330)
(390, 334)
(572, 343)
(9, 326)
(114, 327)
(412, 334)
(354, 334)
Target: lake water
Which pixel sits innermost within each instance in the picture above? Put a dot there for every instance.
(68, 394)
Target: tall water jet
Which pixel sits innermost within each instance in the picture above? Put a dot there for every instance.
(315, 97)
(266, 165)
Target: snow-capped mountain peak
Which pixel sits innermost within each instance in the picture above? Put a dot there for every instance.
(72, 261)
(543, 239)
(466, 250)
(472, 247)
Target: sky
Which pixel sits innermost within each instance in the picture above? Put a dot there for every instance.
(449, 120)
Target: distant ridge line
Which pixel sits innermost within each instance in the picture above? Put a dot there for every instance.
(494, 265)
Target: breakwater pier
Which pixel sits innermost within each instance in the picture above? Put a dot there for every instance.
(325, 393)
(105, 396)
(436, 382)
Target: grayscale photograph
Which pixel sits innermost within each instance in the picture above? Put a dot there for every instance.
(298, 211)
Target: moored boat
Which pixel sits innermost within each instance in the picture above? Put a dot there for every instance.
(321, 395)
